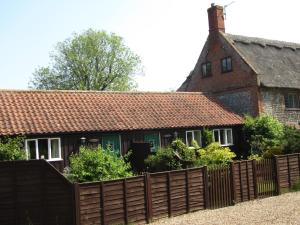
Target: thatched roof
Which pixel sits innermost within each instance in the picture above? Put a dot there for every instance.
(277, 63)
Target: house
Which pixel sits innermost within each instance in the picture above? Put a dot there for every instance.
(56, 123)
(250, 75)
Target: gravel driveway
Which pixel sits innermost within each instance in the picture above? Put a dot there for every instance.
(283, 209)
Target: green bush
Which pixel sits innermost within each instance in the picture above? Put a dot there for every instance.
(214, 154)
(96, 165)
(263, 133)
(12, 148)
(255, 157)
(165, 159)
(207, 137)
(291, 140)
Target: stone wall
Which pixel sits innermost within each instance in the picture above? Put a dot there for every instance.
(273, 101)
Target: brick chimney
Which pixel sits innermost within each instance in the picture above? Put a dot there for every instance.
(215, 18)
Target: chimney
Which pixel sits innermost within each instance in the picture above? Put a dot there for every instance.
(216, 18)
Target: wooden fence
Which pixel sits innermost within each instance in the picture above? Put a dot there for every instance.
(152, 196)
(34, 192)
(141, 199)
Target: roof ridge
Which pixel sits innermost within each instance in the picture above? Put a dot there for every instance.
(102, 92)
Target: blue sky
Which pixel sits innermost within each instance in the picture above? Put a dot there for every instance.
(167, 34)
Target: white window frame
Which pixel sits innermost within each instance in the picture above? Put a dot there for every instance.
(49, 148)
(225, 138)
(193, 137)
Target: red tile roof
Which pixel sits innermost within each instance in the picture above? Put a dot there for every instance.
(38, 112)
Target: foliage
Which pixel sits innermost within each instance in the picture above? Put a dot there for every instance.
(215, 154)
(296, 186)
(164, 160)
(255, 157)
(263, 133)
(92, 60)
(97, 165)
(207, 136)
(291, 140)
(11, 148)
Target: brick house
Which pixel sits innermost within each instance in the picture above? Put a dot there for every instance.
(56, 123)
(250, 75)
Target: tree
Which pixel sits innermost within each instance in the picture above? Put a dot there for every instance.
(93, 60)
(264, 134)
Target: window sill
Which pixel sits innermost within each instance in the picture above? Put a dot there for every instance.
(292, 109)
(53, 160)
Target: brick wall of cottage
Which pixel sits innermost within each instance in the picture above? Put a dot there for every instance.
(237, 89)
(273, 103)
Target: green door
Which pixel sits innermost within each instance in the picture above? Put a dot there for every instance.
(112, 142)
(153, 139)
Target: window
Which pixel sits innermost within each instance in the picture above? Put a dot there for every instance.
(223, 136)
(226, 65)
(206, 69)
(43, 148)
(193, 135)
(292, 101)
(112, 142)
(154, 140)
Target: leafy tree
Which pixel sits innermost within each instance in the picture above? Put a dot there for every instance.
(215, 154)
(207, 136)
(291, 140)
(93, 60)
(264, 134)
(97, 165)
(11, 148)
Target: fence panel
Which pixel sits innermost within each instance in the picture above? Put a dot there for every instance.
(33, 192)
(244, 180)
(288, 169)
(266, 178)
(219, 187)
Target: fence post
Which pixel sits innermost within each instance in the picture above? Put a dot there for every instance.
(187, 190)
(289, 171)
(103, 221)
(148, 197)
(254, 178)
(77, 203)
(277, 175)
(205, 186)
(125, 200)
(169, 194)
(232, 181)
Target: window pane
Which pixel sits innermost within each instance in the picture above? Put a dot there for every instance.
(189, 138)
(31, 149)
(229, 136)
(54, 148)
(43, 148)
(228, 64)
(204, 69)
(223, 65)
(216, 135)
(197, 136)
(222, 137)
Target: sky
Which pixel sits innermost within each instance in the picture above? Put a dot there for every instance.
(168, 35)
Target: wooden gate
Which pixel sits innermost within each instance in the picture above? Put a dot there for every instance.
(266, 178)
(219, 187)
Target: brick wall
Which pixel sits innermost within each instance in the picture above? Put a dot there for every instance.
(274, 104)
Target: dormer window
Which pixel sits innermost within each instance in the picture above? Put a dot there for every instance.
(226, 64)
(206, 69)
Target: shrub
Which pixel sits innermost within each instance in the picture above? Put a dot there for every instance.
(165, 159)
(291, 140)
(207, 137)
(97, 165)
(11, 148)
(214, 154)
(263, 133)
(255, 157)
